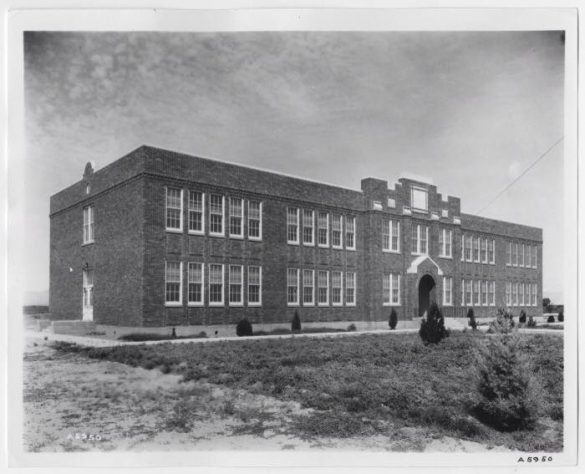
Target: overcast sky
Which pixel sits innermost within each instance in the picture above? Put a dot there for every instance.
(470, 111)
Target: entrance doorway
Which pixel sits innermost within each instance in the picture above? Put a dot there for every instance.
(425, 293)
(88, 295)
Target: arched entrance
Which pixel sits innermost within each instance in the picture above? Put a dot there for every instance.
(425, 288)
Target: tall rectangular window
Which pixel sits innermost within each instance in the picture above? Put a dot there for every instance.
(386, 237)
(391, 236)
(445, 243)
(236, 282)
(350, 233)
(534, 294)
(521, 292)
(323, 288)
(447, 291)
(174, 209)
(254, 286)
(484, 293)
(88, 224)
(216, 281)
(529, 256)
(336, 231)
(216, 214)
(308, 287)
(336, 288)
(308, 227)
(521, 256)
(419, 199)
(236, 217)
(196, 206)
(254, 220)
(292, 225)
(534, 258)
(492, 291)
(292, 286)
(515, 294)
(391, 289)
(484, 250)
(515, 255)
(462, 292)
(469, 248)
(509, 254)
(350, 288)
(477, 292)
(420, 238)
(508, 293)
(395, 288)
(323, 229)
(468, 292)
(173, 286)
(476, 249)
(195, 284)
(492, 251)
(528, 294)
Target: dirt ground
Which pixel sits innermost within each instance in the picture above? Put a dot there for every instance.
(72, 403)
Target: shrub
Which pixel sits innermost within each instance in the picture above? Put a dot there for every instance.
(393, 320)
(550, 319)
(522, 317)
(432, 329)
(531, 322)
(503, 324)
(244, 328)
(561, 317)
(296, 323)
(507, 397)
(471, 316)
(351, 327)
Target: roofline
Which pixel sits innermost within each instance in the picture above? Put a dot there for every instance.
(464, 214)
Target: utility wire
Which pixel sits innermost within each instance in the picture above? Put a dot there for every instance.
(532, 165)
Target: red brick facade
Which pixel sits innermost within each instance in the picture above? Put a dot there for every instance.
(131, 246)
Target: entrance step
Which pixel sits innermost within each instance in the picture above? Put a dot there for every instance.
(74, 327)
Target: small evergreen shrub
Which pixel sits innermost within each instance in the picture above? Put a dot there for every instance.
(351, 328)
(244, 328)
(531, 322)
(295, 325)
(522, 317)
(561, 317)
(393, 320)
(507, 397)
(432, 328)
(550, 319)
(471, 316)
(503, 324)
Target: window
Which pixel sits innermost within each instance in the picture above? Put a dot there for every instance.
(462, 292)
(391, 289)
(468, 248)
(420, 237)
(323, 229)
(336, 231)
(236, 218)
(419, 199)
(173, 290)
(174, 209)
(484, 293)
(529, 256)
(476, 249)
(534, 258)
(216, 211)
(195, 284)
(292, 227)
(447, 291)
(308, 227)
(391, 236)
(323, 288)
(528, 293)
(336, 288)
(445, 243)
(350, 288)
(308, 287)
(534, 294)
(391, 202)
(492, 251)
(515, 294)
(444, 212)
(216, 284)
(509, 254)
(236, 281)
(292, 286)
(492, 291)
(350, 233)
(477, 292)
(462, 247)
(521, 256)
(521, 294)
(468, 292)
(254, 220)
(254, 286)
(196, 204)
(484, 251)
(508, 294)
(87, 225)
(515, 255)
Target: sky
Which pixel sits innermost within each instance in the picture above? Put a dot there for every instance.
(469, 110)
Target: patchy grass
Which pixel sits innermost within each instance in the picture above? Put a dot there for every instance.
(147, 336)
(365, 385)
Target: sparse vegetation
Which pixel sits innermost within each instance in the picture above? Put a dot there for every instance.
(503, 324)
(151, 336)
(432, 328)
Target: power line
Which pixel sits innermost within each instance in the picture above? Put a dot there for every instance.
(522, 174)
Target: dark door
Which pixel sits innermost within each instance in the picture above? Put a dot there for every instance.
(425, 288)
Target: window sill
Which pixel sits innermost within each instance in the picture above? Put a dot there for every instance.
(323, 305)
(195, 305)
(323, 246)
(255, 239)
(173, 305)
(255, 305)
(89, 242)
(217, 305)
(337, 305)
(334, 247)
(293, 305)
(351, 249)
(211, 234)
(391, 304)
(305, 244)
(236, 237)
(174, 231)
(391, 251)
(309, 305)
(445, 257)
(292, 243)
(236, 305)
(350, 305)
(196, 232)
